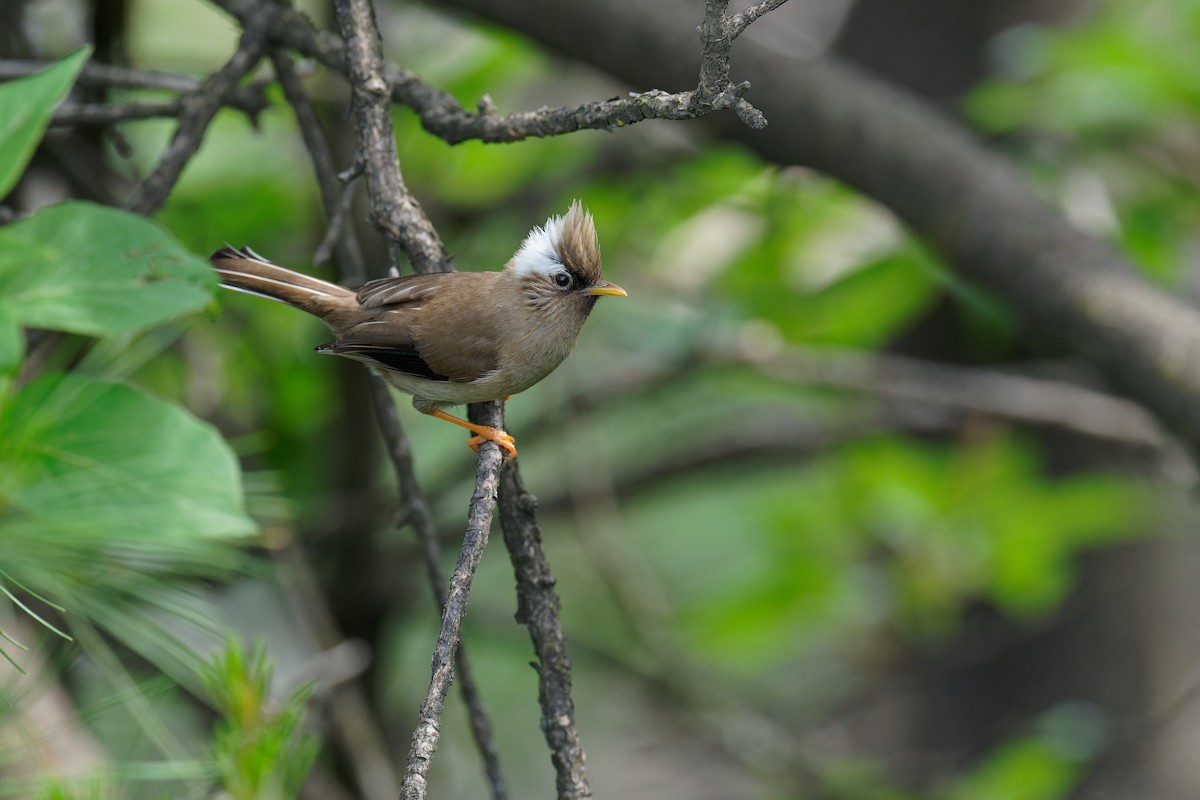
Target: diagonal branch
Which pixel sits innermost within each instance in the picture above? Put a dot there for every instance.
(538, 608)
(479, 522)
(416, 512)
(742, 20)
(394, 210)
(353, 268)
(199, 108)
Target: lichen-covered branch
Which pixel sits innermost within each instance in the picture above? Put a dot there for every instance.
(443, 116)
(538, 609)
(394, 210)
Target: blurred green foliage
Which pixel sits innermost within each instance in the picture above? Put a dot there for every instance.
(1112, 99)
(113, 502)
(259, 748)
(25, 107)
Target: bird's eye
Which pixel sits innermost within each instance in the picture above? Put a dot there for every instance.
(562, 280)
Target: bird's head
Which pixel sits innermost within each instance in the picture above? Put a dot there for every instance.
(559, 265)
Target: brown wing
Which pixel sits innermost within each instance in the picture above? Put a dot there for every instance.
(385, 341)
(404, 290)
(422, 330)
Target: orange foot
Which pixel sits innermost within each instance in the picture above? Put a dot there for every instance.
(483, 433)
(505, 442)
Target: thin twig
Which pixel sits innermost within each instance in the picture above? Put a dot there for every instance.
(100, 114)
(338, 228)
(479, 522)
(199, 108)
(740, 21)
(394, 210)
(249, 99)
(335, 196)
(416, 513)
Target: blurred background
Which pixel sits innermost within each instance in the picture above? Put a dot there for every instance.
(826, 523)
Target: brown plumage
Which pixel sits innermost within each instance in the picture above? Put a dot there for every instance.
(453, 338)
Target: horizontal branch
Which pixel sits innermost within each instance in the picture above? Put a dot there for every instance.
(767, 439)
(101, 114)
(249, 99)
(1020, 398)
(442, 115)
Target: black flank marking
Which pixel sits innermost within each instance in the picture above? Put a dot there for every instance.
(406, 360)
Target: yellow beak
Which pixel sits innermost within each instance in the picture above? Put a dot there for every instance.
(606, 288)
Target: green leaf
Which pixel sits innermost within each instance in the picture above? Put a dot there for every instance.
(25, 108)
(82, 457)
(12, 343)
(99, 271)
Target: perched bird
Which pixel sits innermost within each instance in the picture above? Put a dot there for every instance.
(458, 337)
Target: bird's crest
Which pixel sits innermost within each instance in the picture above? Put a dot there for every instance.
(568, 241)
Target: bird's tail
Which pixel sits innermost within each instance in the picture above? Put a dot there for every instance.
(246, 271)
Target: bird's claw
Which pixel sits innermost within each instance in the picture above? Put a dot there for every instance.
(505, 442)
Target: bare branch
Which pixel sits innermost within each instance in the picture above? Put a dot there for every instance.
(337, 229)
(102, 114)
(335, 196)
(416, 513)
(199, 108)
(443, 116)
(394, 211)
(479, 522)
(248, 99)
(1024, 399)
(97, 114)
(742, 20)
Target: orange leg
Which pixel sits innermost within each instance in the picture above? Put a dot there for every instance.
(482, 434)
